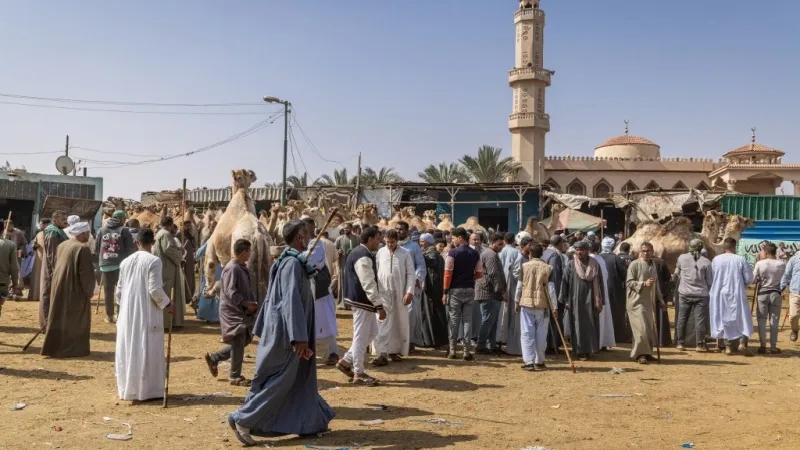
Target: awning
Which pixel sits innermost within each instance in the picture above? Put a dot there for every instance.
(572, 220)
(81, 207)
(223, 195)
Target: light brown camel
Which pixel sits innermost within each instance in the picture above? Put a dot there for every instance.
(733, 229)
(472, 224)
(538, 231)
(240, 222)
(366, 214)
(445, 224)
(646, 230)
(429, 218)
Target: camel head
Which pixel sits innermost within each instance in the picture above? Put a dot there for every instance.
(263, 214)
(737, 224)
(212, 207)
(531, 225)
(275, 208)
(557, 209)
(429, 215)
(242, 179)
(408, 212)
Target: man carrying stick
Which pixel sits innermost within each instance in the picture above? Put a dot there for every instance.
(140, 365)
(532, 302)
(643, 292)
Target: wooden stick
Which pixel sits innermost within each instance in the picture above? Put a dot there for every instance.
(554, 313)
(41, 330)
(99, 295)
(656, 330)
(322, 231)
(784, 318)
(5, 228)
(169, 351)
(755, 296)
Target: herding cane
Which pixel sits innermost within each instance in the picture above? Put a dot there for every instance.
(99, 296)
(755, 296)
(169, 351)
(41, 330)
(554, 313)
(321, 232)
(656, 330)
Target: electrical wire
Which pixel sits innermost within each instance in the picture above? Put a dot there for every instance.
(120, 103)
(295, 147)
(71, 147)
(310, 144)
(253, 129)
(128, 111)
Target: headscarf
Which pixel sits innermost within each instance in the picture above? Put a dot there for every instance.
(72, 220)
(695, 248)
(607, 245)
(522, 234)
(590, 234)
(119, 214)
(78, 228)
(427, 237)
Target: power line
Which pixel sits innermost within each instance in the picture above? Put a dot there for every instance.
(310, 144)
(71, 147)
(295, 147)
(121, 103)
(129, 111)
(32, 153)
(253, 129)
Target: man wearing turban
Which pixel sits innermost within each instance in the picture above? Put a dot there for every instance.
(69, 321)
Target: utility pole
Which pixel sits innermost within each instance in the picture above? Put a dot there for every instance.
(358, 176)
(286, 106)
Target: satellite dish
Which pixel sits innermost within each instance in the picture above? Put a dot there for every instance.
(64, 164)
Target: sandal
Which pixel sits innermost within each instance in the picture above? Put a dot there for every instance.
(333, 358)
(345, 369)
(395, 357)
(241, 381)
(212, 366)
(365, 380)
(774, 351)
(379, 361)
(642, 360)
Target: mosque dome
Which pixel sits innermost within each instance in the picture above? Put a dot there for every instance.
(754, 153)
(628, 147)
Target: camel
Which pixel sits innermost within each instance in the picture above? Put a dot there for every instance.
(429, 218)
(472, 224)
(646, 230)
(414, 220)
(399, 216)
(734, 228)
(382, 224)
(538, 231)
(366, 214)
(445, 224)
(239, 221)
(148, 218)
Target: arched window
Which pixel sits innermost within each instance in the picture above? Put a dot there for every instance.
(679, 185)
(602, 189)
(652, 186)
(702, 186)
(551, 185)
(576, 188)
(630, 186)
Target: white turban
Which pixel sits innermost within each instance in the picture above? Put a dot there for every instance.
(72, 220)
(78, 228)
(520, 235)
(608, 244)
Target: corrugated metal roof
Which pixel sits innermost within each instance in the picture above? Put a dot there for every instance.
(763, 207)
(223, 195)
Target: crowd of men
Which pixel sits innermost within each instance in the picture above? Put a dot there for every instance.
(469, 288)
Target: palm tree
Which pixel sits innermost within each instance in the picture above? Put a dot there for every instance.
(488, 167)
(339, 178)
(275, 185)
(444, 173)
(385, 175)
(296, 182)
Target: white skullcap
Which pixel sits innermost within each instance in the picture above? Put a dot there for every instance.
(520, 235)
(72, 220)
(78, 228)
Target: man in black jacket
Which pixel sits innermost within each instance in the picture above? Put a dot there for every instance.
(113, 244)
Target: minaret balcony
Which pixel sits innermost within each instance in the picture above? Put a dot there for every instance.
(529, 73)
(529, 120)
(529, 14)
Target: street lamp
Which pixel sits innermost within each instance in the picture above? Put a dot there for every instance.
(286, 106)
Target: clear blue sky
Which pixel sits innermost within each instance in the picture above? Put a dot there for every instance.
(408, 83)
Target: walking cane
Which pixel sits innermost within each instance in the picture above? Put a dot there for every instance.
(554, 314)
(755, 296)
(321, 232)
(169, 353)
(99, 297)
(41, 330)
(783, 325)
(657, 314)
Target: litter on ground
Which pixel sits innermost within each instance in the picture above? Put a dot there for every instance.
(19, 406)
(610, 395)
(371, 422)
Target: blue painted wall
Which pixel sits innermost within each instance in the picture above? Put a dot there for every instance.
(463, 211)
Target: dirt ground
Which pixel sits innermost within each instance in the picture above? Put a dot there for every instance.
(714, 401)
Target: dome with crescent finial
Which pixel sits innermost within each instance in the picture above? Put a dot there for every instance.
(627, 147)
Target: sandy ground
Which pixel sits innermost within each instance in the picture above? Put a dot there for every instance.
(715, 401)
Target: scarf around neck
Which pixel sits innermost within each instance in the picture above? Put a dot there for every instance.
(589, 272)
(53, 229)
(290, 252)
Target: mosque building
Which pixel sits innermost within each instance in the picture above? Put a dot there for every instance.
(624, 163)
